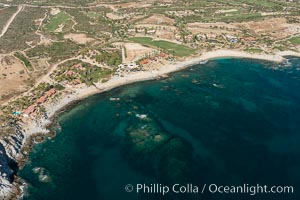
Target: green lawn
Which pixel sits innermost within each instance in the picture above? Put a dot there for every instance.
(295, 40)
(173, 48)
(56, 20)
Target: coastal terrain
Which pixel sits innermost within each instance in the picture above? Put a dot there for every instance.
(54, 53)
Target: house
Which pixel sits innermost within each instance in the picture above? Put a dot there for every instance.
(128, 67)
(50, 92)
(250, 39)
(151, 32)
(77, 81)
(41, 100)
(29, 111)
(78, 66)
(201, 36)
(231, 38)
(131, 30)
(70, 73)
(153, 58)
(211, 36)
(163, 55)
(145, 61)
(93, 52)
(189, 38)
(132, 66)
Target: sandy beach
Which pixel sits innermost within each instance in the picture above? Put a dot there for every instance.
(33, 127)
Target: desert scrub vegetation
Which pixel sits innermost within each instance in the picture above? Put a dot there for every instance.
(87, 73)
(5, 14)
(23, 58)
(254, 50)
(56, 52)
(112, 58)
(91, 26)
(22, 30)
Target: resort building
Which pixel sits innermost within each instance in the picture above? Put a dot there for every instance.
(41, 100)
(29, 110)
(251, 40)
(50, 92)
(70, 73)
(126, 68)
(231, 38)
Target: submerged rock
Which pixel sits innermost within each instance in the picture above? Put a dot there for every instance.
(43, 174)
(150, 148)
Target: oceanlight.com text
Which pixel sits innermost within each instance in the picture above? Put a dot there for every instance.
(247, 189)
(250, 189)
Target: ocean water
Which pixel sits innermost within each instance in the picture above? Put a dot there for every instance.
(228, 122)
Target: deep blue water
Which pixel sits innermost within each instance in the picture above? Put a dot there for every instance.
(228, 122)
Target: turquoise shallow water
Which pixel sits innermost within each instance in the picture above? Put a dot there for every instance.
(228, 122)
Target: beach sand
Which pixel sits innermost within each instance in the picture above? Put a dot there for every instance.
(32, 126)
(39, 126)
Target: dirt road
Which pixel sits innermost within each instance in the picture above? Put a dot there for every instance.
(5, 28)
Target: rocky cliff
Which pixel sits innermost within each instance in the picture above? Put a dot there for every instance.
(10, 153)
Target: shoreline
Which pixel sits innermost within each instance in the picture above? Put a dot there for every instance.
(41, 127)
(114, 82)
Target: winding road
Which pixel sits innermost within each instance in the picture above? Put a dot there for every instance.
(11, 19)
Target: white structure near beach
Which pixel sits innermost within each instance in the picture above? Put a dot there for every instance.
(126, 68)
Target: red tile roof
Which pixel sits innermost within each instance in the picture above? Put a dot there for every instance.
(50, 92)
(78, 66)
(41, 99)
(163, 55)
(30, 110)
(70, 73)
(78, 81)
(145, 61)
(250, 39)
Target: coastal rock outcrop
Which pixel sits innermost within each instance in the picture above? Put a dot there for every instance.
(8, 169)
(10, 153)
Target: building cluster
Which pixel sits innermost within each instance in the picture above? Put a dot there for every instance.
(31, 109)
(72, 73)
(232, 39)
(180, 13)
(126, 68)
(143, 30)
(145, 61)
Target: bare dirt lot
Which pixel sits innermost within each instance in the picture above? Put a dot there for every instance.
(114, 16)
(78, 38)
(158, 19)
(220, 27)
(276, 27)
(133, 5)
(161, 31)
(135, 51)
(13, 77)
